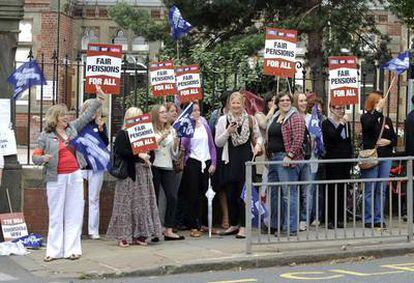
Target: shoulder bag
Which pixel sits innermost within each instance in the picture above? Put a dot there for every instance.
(369, 157)
(119, 166)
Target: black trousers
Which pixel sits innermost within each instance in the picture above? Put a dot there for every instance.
(337, 172)
(167, 180)
(195, 185)
(236, 204)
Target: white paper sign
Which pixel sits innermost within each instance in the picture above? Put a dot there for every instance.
(7, 141)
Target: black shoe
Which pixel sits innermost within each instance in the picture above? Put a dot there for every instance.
(265, 230)
(240, 236)
(368, 225)
(155, 240)
(378, 225)
(331, 226)
(340, 225)
(231, 232)
(168, 238)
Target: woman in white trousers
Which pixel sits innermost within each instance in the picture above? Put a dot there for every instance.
(64, 184)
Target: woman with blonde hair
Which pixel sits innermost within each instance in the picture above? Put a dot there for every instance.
(64, 186)
(162, 167)
(135, 214)
(238, 134)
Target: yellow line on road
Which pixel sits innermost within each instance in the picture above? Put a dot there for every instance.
(355, 273)
(236, 281)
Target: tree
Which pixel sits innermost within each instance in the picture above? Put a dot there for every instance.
(221, 25)
(404, 9)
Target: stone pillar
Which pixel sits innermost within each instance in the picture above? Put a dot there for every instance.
(11, 12)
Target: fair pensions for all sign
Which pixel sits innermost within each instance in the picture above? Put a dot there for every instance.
(343, 80)
(162, 78)
(103, 67)
(189, 83)
(280, 52)
(141, 134)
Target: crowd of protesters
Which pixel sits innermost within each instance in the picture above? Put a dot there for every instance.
(182, 167)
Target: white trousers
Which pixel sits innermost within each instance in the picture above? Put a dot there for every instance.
(95, 181)
(66, 202)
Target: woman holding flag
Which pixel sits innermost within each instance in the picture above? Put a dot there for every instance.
(64, 185)
(162, 166)
(238, 134)
(200, 163)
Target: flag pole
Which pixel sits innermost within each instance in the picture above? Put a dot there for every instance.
(389, 88)
(177, 46)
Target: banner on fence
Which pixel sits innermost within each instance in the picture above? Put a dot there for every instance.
(162, 78)
(188, 83)
(280, 52)
(103, 67)
(343, 80)
(13, 226)
(141, 134)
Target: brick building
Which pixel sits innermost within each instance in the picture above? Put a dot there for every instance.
(78, 22)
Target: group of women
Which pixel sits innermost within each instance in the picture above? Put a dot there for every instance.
(182, 167)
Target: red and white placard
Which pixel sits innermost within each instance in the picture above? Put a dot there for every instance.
(162, 78)
(280, 52)
(141, 134)
(343, 80)
(188, 83)
(103, 67)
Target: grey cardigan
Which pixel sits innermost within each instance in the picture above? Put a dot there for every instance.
(49, 142)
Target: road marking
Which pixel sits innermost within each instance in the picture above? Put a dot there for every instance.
(236, 281)
(6, 277)
(409, 266)
(355, 273)
(300, 275)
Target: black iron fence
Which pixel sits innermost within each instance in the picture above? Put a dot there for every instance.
(66, 85)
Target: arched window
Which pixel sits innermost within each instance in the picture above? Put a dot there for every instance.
(88, 37)
(121, 39)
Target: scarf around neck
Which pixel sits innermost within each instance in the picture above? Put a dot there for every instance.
(243, 122)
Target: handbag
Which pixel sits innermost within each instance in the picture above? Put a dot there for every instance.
(370, 156)
(119, 166)
(179, 163)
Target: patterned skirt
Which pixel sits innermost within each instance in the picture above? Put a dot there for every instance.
(135, 213)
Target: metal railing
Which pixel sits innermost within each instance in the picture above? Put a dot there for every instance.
(353, 211)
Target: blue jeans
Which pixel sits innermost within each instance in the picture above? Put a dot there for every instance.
(382, 170)
(289, 194)
(306, 194)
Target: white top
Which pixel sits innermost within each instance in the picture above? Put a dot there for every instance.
(165, 153)
(1, 161)
(199, 146)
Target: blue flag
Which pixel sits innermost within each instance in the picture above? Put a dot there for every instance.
(256, 204)
(399, 64)
(26, 76)
(179, 26)
(315, 131)
(185, 124)
(91, 146)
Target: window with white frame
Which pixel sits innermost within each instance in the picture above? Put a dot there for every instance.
(25, 31)
(121, 39)
(88, 37)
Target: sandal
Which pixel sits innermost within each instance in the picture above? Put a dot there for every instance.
(74, 257)
(123, 243)
(225, 225)
(140, 241)
(195, 233)
(49, 259)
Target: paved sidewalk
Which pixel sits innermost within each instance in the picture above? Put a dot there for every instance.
(104, 258)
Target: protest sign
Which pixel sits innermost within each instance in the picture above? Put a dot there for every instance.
(343, 80)
(13, 226)
(188, 83)
(280, 52)
(103, 67)
(141, 134)
(162, 78)
(7, 141)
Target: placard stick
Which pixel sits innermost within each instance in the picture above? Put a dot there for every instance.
(389, 88)
(277, 85)
(8, 200)
(288, 83)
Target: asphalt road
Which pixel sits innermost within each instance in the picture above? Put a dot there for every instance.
(392, 269)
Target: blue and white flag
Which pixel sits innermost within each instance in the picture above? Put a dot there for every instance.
(315, 131)
(92, 147)
(399, 64)
(179, 26)
(185, 124)
(26, 76)
(257, 206)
